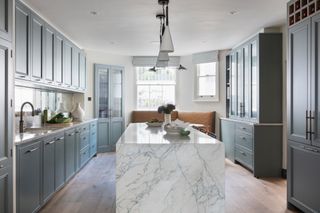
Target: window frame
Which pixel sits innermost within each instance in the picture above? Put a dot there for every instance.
(151, 83)
(214, 98)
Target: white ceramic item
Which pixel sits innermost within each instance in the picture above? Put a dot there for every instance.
(78, 113)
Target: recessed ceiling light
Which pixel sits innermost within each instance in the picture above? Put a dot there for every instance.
(233, 12)
(94, 13)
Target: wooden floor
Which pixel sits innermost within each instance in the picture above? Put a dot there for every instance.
(93, 191)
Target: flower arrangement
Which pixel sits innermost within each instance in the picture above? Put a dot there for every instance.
(166, 109)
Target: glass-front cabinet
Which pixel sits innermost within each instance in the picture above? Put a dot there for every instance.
(244, 78)
(109, 105)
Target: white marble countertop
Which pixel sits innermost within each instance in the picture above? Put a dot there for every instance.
(49, 129)
(140, 133)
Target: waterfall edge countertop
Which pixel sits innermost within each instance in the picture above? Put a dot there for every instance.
(156, 172)
(50, 129)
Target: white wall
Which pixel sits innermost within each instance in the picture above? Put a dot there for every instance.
(129, 80)
(185, 89)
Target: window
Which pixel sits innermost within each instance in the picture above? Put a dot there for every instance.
(207, 87)
(155, 88)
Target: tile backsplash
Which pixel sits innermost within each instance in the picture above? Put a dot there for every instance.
(40, 99)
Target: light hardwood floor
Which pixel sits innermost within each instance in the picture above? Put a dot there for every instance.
(93, 191)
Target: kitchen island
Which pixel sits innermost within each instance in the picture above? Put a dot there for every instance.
(157, 172)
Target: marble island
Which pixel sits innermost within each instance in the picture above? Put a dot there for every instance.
(156, 172)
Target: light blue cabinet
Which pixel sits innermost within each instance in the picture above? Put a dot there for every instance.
(109, 105)
(70, 153)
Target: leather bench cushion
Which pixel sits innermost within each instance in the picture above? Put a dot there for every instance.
(205, 118)
(145, 116)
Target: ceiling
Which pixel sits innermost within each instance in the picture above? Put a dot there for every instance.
(129, 27)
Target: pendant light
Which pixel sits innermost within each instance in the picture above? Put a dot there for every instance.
(181, 67)
(153, 69)
(166, 44)
(163, 56)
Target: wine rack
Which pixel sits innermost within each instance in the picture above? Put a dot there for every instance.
(298, 10)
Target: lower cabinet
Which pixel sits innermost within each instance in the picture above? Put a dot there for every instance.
(45, 165)
(93, 139)
(59, 179)
(303, 176)
(70, 153)
(258, 147)
(48, 186)
(29, 178)
(5, 189)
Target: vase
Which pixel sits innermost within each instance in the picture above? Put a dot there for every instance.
(78, 113)
(167, 118)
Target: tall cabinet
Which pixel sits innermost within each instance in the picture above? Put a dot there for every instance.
(252, 131)
(6, 84)
(303, 107)
(109, 106)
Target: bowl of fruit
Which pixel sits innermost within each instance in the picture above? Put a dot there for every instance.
(154, 123)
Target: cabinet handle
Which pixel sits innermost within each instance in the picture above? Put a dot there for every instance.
(243, 153)
(243, 128)
(37, 79)
(1, 166)
(49, 82)
(60, 139)
(307, 126)
(311, 124)
(32, 150)
(93, 133)
(244, 138)
(49, 143)
(22, 76)
(84, 138)
(77, 132)
(310, 149)
(71, 134)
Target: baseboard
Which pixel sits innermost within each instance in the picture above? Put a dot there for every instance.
(284, 173)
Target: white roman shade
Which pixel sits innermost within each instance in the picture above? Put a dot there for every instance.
(205, 57)
(150, 61)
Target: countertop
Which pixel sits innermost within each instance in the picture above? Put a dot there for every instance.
(47, 130)
(140, 133)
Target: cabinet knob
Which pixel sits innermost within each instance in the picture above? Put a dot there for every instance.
(32, 150)
(1, 166)
(49, 143)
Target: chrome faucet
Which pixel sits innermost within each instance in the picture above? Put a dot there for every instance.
(21, 115)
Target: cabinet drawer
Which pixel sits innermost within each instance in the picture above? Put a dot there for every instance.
(84, 156)
(84, 140)
(245, 127)
(93, 149)
(244, 139)
(244, 156)
(85, 127)
(93, 125)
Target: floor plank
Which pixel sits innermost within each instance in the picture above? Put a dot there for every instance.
(93, 190)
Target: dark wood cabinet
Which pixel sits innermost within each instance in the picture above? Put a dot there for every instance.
(37, 29)
(29, 181)
(67, 63)
(48, 54)
(22, 19)
(6, 19)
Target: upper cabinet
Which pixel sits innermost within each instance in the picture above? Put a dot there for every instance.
(6, 19)
(37, 28)
(43, 55)
(256, 79)
(23, 16)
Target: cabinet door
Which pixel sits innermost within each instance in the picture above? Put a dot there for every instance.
(228, 138)
(298, 81)
(315, 88)
(48, 54)
(93, 139)
(67, 65)
(6, 189)
(6, 19)
(58, 65)
(22, 19)
(29, 178)
(48, 169)
(233, 100)
(103, 135)
(304, 176)
(59, 163)
(77, 147)
(253, 80)
(102, 91)
(37, 29)
(70, 165)
(246, 80)
(75, 67)
(83, 71)
(240, 83)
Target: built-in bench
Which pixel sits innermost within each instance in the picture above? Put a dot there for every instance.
(207, 119)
